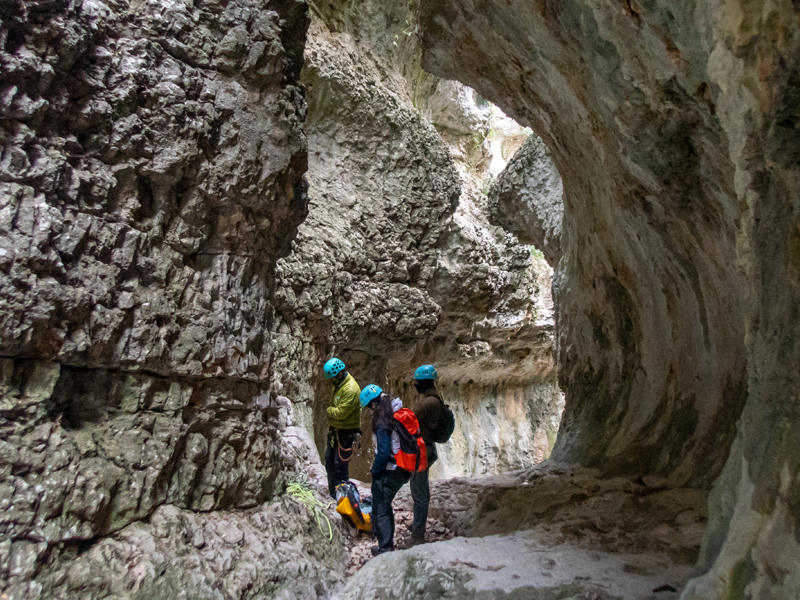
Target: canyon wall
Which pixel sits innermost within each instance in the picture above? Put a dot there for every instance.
(397, 264)
(167, 283)
(675, 131)
(152, 174)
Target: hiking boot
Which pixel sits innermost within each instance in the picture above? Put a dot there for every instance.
(411, 542)
(375, 550)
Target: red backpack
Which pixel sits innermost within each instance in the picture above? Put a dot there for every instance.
(412, 456)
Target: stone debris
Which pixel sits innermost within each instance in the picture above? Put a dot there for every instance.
(537, 533)
(360, 543)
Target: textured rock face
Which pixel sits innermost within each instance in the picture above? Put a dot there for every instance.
(492, 347)
(148, 186)
(546, 534)
(527, 199)
(671, 128)
(500, 428)
(396, 263)
(381, 185)
(643, 298)
(152, 168)
(208, 556)
(93, 451)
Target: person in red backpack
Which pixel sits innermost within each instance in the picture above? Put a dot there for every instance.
(398, 444)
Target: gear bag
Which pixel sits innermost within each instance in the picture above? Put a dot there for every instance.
(447, 423)
(350, 505)
(413, 455)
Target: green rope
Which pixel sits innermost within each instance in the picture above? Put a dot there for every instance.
(302, 492)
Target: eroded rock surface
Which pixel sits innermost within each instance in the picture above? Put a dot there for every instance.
(527, 199)
(546, 533)
(152, 173)
(209, 556)
(679, 294)
(381, 185)
(397, 264)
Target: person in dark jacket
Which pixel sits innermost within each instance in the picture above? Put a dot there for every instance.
(344, 416)
(387, 477)
(429, 413)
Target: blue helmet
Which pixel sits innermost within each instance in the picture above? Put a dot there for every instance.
(426, 372)
(369, 393)
(333, 367)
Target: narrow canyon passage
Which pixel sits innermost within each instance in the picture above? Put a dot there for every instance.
(584, 213)
(389, 156)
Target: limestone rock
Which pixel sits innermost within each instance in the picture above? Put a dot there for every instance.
(152, 174)
(452, 107)
(381, 273)
(381, 185)
(527, 199)
(276, 551)
(677, 303)
(150, 183)
(636, 301)
(546, 533)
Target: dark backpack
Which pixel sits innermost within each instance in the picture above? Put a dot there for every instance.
(413, 454)
(447, 424)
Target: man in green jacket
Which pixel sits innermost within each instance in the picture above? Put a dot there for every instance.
(344, 416)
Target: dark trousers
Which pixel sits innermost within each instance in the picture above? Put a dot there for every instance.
(337, 456)
(385, 486)
(421, 495)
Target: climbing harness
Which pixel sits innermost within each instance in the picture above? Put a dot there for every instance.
(353, 450)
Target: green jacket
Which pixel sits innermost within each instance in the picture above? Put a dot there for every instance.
(345, 409)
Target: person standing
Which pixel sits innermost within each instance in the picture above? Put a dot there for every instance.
(344, 417)
(387, 476)
(430, 412)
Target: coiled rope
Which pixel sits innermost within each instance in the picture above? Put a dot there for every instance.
(302, 492)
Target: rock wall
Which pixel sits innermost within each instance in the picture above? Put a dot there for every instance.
(381, 186)
(152, 174)
(499, 429)
(528, 199)
(397, 263)
(493, 347)
(674, 129)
